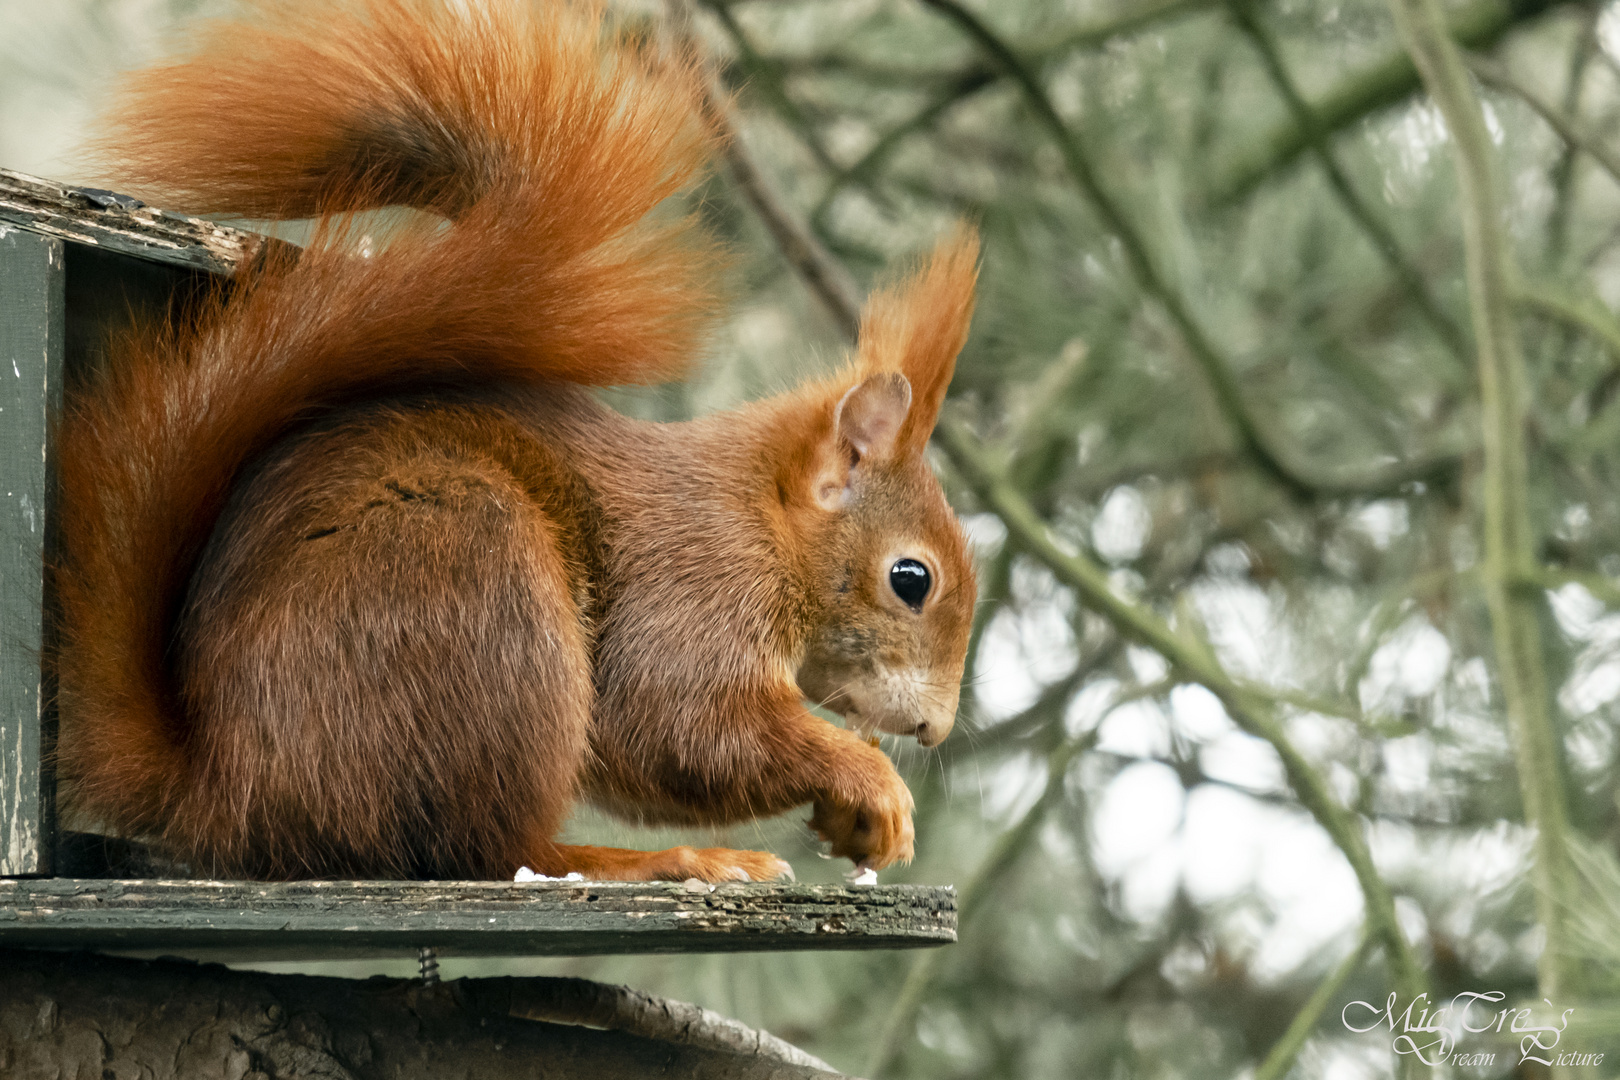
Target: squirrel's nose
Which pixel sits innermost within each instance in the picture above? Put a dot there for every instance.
(933, 732)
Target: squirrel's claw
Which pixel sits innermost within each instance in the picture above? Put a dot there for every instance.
(870, 827)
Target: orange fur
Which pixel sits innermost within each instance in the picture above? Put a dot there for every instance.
(355, 582)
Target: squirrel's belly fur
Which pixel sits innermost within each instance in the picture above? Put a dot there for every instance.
(356, 580)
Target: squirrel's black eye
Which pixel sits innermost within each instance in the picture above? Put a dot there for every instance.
(909, 580)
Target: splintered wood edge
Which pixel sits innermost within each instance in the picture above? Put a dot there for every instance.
(388, 918)
(121, 224)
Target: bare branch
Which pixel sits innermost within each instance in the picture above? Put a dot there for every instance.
(1414, 283)
(1252, 709)
(825, 276)
(766, 76)
(1568, 128)
(1389, 82)
(619, 1008)
(1003, 855)
(1510, 540)
(1601, 587)
(864, 170)
(1586, 316)
(1103, 30)
(1285, 1049)
(1256, 439)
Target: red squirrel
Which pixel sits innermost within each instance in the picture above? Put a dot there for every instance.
(357, 578)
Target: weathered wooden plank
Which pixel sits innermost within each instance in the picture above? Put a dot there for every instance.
(118, 223)
(289, 920)
(32, 282)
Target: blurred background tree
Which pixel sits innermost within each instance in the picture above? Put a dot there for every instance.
(1289, 435)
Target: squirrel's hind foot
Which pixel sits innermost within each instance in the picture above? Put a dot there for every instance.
(671, 864)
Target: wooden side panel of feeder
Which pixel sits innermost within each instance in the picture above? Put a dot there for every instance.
(32, 333)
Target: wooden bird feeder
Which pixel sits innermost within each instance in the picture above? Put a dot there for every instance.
(74, 263)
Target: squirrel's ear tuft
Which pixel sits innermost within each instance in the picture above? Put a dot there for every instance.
(917, 327)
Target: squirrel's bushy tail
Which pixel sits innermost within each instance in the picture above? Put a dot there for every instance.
(544, 137)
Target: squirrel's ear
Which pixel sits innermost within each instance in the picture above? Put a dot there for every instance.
(866, 425)
(917, 327)
(870, 416)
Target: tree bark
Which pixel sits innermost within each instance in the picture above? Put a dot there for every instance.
(84, 1015)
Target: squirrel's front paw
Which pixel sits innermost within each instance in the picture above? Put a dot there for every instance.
(870, 825)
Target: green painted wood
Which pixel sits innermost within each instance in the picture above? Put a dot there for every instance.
(117, 223)
(32, 321)
(337, 919)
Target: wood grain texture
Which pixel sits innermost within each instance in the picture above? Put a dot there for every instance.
(71, 1014)
(32, 277)
(290, 920)
(117, 223)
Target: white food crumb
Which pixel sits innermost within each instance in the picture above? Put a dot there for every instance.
(525, 874)
(865, 877)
